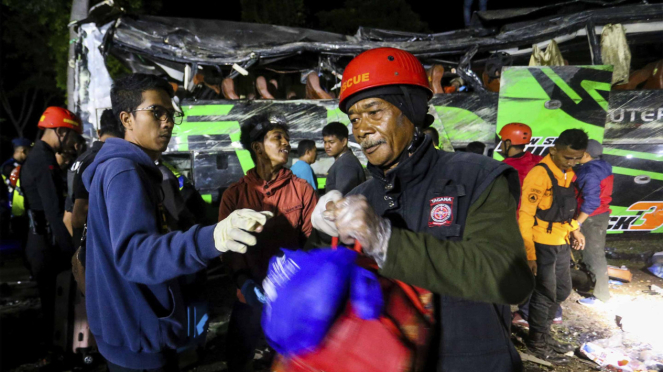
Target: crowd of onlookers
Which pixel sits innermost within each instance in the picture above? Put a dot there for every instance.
(473, 231)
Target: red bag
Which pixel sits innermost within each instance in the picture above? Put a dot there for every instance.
(397, 342)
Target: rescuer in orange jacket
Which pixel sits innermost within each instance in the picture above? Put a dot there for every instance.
(546, 220)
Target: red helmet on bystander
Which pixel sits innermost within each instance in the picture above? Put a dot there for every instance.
(58, 117)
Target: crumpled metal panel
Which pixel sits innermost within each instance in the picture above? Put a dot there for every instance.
(225, 42)
(467, 117)
(93, 82)
(635, 117)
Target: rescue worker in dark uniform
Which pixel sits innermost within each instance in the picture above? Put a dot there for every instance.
(11, 168)
(49, 245)
(442, 221)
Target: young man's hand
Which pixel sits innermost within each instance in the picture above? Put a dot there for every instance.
(318, 220)
(577, 240)
(532, 266)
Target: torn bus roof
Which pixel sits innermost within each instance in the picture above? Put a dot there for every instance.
(214, 42)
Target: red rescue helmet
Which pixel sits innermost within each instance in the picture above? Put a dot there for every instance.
(381, 67)
(517, 133)
(58, 117)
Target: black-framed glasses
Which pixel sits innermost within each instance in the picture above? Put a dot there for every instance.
(162, 114)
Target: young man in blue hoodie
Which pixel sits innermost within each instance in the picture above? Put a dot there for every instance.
(595, 181)
(134, 302)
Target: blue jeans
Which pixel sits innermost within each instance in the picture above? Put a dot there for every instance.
(467, 9)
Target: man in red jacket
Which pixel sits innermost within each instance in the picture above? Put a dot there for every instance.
(267, 187)
(515, 137)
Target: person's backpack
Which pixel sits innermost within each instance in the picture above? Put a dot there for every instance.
(398, 340)
(564, 203)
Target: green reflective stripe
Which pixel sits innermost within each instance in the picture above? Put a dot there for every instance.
(18, 201)
(634, 154)
(180, 178)
(561, 84)
(191, 110)
(207, 198)
(636, 172)
(322, 182)
(172, 169)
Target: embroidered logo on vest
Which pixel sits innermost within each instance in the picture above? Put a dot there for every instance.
(441, 211)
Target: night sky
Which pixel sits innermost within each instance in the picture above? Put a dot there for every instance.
(444, 16)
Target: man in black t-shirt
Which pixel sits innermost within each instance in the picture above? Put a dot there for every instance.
(346, 173)
(108, 128)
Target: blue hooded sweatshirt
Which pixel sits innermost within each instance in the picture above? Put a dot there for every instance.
(134, 304)
(595, 181)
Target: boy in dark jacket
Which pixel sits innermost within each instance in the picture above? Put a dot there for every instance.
(595, 182)
(134, 302)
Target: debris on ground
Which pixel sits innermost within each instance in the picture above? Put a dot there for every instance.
(656, 269)
(620, 273)
(616, 354)
(531, 358)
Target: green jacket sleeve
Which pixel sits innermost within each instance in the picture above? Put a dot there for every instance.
(489, 264)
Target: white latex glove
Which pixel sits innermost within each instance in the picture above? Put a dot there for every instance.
(318, 219)
(356, 220)
(231, 234)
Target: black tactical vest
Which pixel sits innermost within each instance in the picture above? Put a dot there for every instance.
(564, 203)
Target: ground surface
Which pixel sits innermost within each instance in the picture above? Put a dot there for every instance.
(640, 309)
(22, 348)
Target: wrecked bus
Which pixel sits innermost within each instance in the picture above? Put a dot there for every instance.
(225, 72)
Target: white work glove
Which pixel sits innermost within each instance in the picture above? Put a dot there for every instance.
(318, 219)
(232, 234)
(356, 220)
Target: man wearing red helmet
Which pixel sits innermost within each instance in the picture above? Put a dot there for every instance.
(49, 244)
(514, 138)
(442, 221)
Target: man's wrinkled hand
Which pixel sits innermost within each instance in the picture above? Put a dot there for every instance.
(532, 266)
(356, 220)
(233, 233)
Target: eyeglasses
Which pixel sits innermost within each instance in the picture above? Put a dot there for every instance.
(163, 115)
